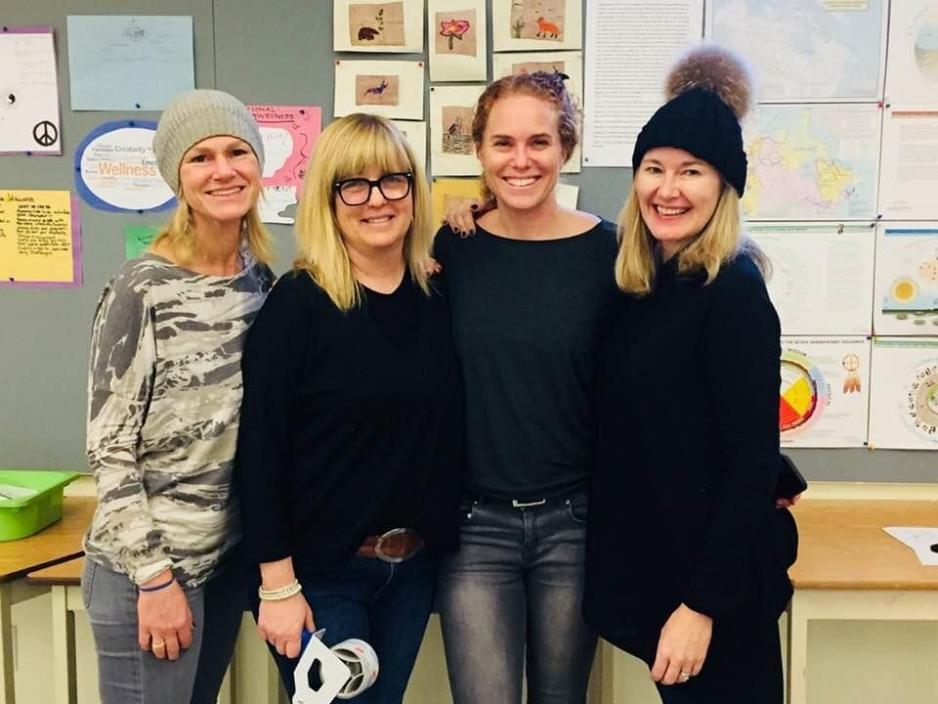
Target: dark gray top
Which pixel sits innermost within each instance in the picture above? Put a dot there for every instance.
(527, 318)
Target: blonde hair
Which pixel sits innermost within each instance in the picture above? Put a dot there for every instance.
(348, 147)
(179, 234)
(721, 240)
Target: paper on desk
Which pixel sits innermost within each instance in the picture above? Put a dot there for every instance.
(920, 540)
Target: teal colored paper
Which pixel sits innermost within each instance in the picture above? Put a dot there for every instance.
(137, 238)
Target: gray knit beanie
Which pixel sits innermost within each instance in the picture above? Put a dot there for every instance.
(199, 114)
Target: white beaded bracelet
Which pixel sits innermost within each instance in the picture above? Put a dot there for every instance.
(280, 594)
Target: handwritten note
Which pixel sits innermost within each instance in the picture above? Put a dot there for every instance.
(39, 239)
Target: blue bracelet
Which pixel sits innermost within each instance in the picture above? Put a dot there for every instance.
(158, 587)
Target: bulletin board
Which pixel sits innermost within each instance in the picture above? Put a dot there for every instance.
(285, 56)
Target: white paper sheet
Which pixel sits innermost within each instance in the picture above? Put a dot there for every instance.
(416, 134)
(919, 539)
(806, 49)
(904, 394)
(912, 65)
(812, 162)
(457, 36)
(128, 63)
(532, 25)
(392, 89)
(567, 195)
(909, 177)
(452, 151)
(822, 276)
(29, 93)
(385, 27)
(630, 45)
(568, 62)
(906, 301)
(824, 392)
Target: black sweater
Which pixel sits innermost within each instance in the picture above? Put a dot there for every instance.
(527, 319)
(687, 456)
(352, 423)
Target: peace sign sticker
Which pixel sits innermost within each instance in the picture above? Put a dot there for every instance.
(45, 133)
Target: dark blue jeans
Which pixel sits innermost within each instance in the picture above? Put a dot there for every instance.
(510, 602)
(387, 605)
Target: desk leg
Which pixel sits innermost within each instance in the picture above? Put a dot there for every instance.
(7, 690)
(64, 680)
(798, 649)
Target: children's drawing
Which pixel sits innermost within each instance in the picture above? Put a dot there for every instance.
(376, 24)
(457, 129)
(377, 90)
(456, 33)
(535, 66)
(537, 19)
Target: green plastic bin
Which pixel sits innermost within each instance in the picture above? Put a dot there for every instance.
(20, 518)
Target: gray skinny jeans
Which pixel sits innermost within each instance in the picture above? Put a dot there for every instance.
(129, 675)
(510, 604)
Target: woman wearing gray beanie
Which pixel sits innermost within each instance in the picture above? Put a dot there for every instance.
(692, 577)
(160, 587)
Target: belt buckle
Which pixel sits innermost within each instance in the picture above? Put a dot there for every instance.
(527, 504)
(388, 539)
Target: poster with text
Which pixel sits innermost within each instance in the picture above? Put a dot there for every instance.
(289, 134)
(824, 393)
(821, 281)
(40, 239)
(29, 104)
(904, 396)
(906, 301)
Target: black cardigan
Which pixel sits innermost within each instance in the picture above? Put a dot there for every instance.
(687, 457)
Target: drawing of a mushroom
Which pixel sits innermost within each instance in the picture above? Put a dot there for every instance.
(453, 29)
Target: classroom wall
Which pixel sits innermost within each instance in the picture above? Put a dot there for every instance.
(281, 55)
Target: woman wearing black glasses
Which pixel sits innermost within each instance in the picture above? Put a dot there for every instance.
(351, 438)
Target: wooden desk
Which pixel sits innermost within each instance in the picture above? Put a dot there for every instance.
(60, 541)
(849, 569)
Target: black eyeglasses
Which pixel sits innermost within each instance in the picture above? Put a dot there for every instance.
(357, 191)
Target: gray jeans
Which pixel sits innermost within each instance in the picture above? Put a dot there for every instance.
(129, 675)
(510, 602)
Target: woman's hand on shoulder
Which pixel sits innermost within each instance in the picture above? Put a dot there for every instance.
(461, 214)
(281, 623)
(682, 646)
(164, 619)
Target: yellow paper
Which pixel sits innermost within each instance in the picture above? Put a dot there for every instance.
(36, 237)
(446, 189)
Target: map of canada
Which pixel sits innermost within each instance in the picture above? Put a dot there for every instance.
(828, 52)
(813, 162)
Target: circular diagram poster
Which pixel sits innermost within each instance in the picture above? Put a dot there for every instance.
(115, 169)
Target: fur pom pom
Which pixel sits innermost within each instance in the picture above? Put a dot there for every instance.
(717, 70)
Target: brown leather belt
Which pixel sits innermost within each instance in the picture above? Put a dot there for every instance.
(395, 545)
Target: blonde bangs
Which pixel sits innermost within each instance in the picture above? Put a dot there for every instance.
(346, 148)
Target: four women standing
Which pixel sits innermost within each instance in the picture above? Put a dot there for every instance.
(351, 447)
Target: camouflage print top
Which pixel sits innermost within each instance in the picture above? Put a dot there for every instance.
(164, 393)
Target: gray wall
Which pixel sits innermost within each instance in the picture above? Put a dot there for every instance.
(281, 55)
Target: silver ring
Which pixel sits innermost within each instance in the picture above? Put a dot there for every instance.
(683, 677)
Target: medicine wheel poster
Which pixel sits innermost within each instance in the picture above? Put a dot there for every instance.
(804, 392)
